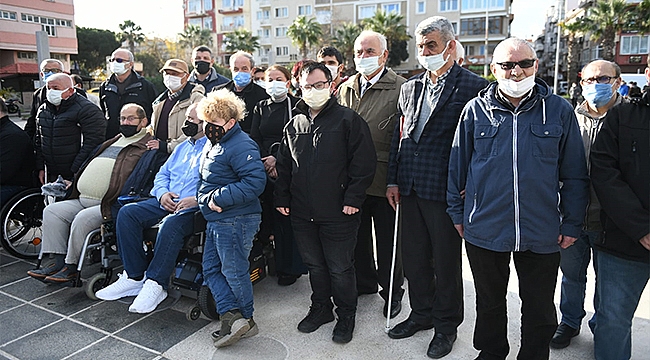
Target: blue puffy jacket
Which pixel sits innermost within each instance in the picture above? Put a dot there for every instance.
(518, 200)
(232, 174)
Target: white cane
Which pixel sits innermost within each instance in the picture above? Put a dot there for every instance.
(392, 270)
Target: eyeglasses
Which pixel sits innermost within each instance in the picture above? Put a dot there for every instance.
(54, 71)
(129, 118)
(118, 60)
(524, 64)
(319, 85)
(599, 79)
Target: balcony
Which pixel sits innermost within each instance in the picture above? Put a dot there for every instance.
(264, 22)
(234, 10)
(264, 60)
(226, 28)
(265, 41)
(264, 3)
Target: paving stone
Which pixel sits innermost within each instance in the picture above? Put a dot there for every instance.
(23, 320)
(30, 289)
(54, 342)
(162, 330)
(7, 302)
(111, 348)
(13, 271)
(66, 302)
(109, 316)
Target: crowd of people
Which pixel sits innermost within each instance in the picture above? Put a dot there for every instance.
(319, 165)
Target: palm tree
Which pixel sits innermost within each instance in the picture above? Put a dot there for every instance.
(304, 33)
(344, 41)
(193, 36)
(641, 17)
(131, 33)
(391, 25)
(603, 21)
(241, 39)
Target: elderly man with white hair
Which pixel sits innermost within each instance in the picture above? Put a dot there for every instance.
(48, 67)
(241, 67)
(515, 144)
(430, 105)
(69, 127)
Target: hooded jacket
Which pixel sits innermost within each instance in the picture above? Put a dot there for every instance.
(523, 199)
(620, 174)
(139, 91)
(324, 163)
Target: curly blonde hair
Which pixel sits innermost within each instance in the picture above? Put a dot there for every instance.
(221, 104)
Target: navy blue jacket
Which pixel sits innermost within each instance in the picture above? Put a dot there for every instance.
(513, 199)
(232, 175)
(422, 166)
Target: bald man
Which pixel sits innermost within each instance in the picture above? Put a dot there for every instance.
(68, 128)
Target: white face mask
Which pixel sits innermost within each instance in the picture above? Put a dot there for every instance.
(334, 70)
(118, 68)
(367, 66)
(316, 99)
(172, 82)
(277, 90)
(261, 83)
(54, 96)
(434, 62)
(516, 89)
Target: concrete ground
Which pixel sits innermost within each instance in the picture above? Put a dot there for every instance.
(39, 321)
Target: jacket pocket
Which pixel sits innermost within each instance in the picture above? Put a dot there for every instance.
(485, 143)
(546, 140)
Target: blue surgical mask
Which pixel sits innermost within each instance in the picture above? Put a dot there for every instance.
(597, 94)
(47, 74)
(241, 78)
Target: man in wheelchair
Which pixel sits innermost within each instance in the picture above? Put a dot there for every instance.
(118, 165)
(174, 203)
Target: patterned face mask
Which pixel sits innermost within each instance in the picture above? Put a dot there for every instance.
(214, 132)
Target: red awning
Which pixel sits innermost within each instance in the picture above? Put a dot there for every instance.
(19, 69)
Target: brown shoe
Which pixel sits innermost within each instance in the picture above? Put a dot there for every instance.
(68, 273)
(50, 269)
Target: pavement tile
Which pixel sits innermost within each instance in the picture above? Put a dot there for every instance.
(14, 271)
(109, 316)
(54, 342)
(7, 302)
(111, 348)
(162, 330)
(66, 302)
(23, 320)
(30, 289)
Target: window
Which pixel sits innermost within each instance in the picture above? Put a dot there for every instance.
(324, 16)
(449, 5)
(195, 22)
(469, 50)
(207, 5)
(281, 31)
(304, 10)
(282, 51)
(61, 57)
(281, 12)
(26, 55)
(390, 8)
(293, 57)
(9, 15)
(207, 23)
(231, 4)
(455, 26)
(476, 26)
(49, 29)
(45, 21)
(194, 6)
(420, 7)
(367, 11)
(478, 5)
(263, 15)
(481, 50)
(635, 44)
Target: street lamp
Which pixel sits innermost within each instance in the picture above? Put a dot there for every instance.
(560, 7)
(487, 31)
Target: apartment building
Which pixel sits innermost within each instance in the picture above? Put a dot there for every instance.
(270, 20)
(19, 21)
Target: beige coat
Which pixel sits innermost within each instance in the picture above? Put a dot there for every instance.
(191, 94)
(378, 107)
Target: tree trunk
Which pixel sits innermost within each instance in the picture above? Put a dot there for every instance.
(573, 57)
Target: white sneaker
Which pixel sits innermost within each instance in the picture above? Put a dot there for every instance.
(123, 287)
(149, 297)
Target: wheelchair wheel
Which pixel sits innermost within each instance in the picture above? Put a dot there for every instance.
(193, 313)
(207, 304)
(94, 284)
(22, 219)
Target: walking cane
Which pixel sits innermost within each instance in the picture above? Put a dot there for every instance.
(392, 269)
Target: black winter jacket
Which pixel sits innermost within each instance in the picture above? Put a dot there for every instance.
(38, 98)
(620, 173)
(139, 91)
(16, 155)
(269, 119)
(251, 94)
(324, 163)
(60, 131)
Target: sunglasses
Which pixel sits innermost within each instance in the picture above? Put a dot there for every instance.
(53, 71)
(524, 64)
(599, 79)
(118, 60)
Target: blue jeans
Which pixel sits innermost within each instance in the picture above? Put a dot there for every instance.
(619, 285)
(228, 243)
(132, 220)
(574, 263)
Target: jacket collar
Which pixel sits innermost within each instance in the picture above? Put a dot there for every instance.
(184, 94)
(236, 129)
(212, 77)
(450, 85)
(302, 107)
(134, 80)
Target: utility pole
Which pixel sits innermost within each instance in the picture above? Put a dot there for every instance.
(560, 13)
(487, 32)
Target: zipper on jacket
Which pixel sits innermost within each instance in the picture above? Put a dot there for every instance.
(515, 174)
(471, 214)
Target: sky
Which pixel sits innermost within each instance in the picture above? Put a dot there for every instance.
(164, 18)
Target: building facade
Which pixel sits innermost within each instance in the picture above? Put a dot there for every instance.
(19, 21)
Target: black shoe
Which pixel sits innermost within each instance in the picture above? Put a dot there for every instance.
(287, 279)
(50, 269)
(318, 315)
(563, 335)
(441, 345)
(343, 330)
(395, 308)
(407, 328)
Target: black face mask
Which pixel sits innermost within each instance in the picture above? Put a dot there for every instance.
(202, 67)
(214, 132)
(128, 130)
(189, 128)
